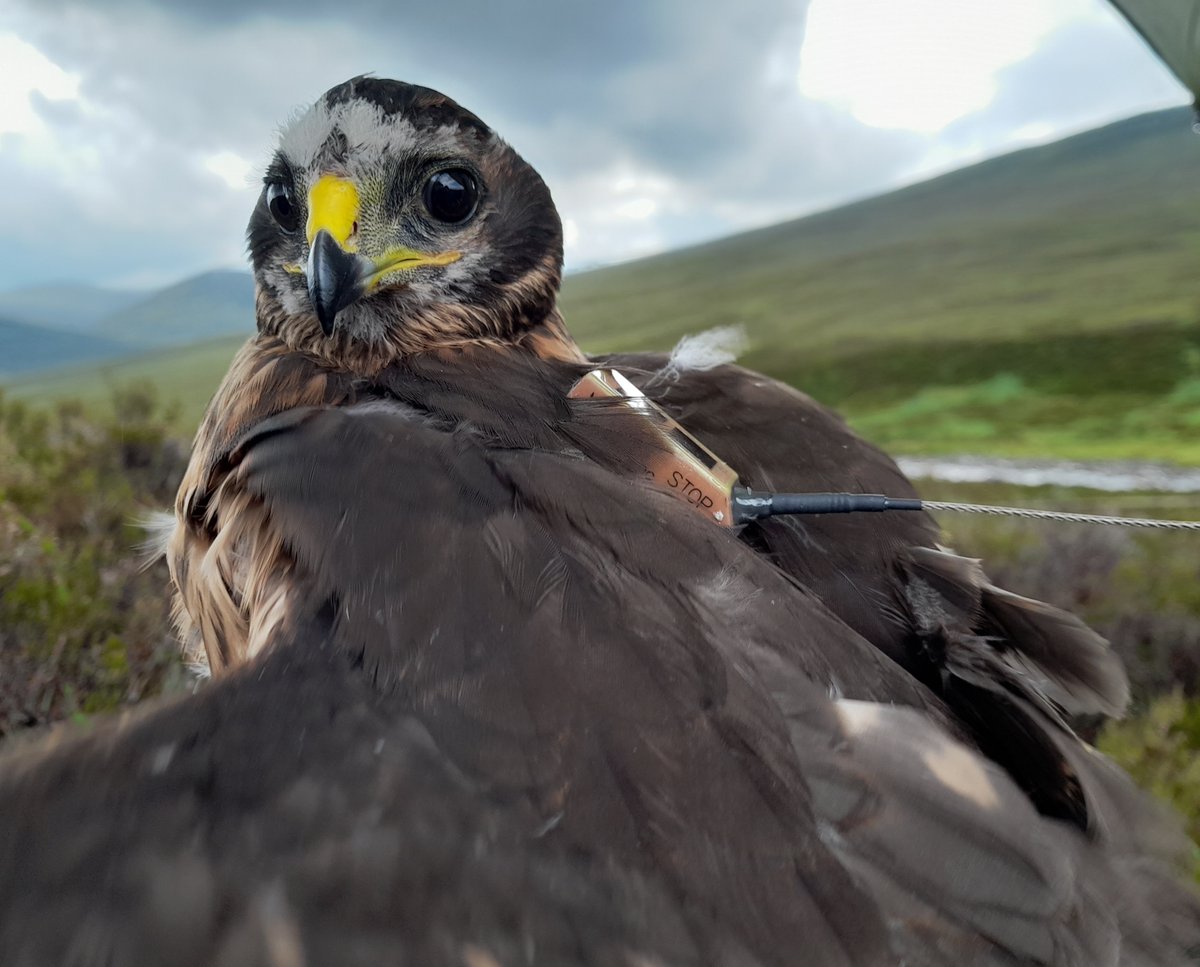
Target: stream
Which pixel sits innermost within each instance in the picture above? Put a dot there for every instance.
(1114, 475)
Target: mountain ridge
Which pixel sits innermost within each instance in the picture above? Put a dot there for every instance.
(215, 303)
(26, 348)
(67, 305)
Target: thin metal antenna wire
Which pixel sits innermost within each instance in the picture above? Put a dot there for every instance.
(1173, 525)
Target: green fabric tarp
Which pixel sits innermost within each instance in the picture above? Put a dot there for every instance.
(1172, 28)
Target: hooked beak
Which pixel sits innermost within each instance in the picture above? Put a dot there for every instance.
(335, 278)
(338, 275)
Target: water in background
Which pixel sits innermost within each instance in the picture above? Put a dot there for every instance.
(1115, 475)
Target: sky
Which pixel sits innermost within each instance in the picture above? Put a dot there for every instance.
(133, 133)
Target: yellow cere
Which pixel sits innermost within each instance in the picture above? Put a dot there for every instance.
(333, 206)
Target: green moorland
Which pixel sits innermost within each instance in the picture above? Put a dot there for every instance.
(1042, 303)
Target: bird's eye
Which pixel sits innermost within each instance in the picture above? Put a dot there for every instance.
(282, 206)
(451, 195)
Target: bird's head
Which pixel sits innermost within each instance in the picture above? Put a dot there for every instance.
(392, 221)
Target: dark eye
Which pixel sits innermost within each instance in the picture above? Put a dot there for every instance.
(451, 195)
(282, 206)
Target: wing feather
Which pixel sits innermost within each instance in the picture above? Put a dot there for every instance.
(653, 693)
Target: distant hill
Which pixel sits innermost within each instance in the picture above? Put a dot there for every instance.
(121, 323)
(1046, 301)
(1097, 231)
(200, 308)
(65, 305)
(26, 349)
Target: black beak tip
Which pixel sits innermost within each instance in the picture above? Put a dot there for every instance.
(334, 279)
(326, 316)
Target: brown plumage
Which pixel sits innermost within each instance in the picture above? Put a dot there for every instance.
(484, 696)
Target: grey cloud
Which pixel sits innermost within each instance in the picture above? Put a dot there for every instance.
(513, 37)
(59, 114)
(56, 238)
(1082, 75)
(697, 96)
(671, 88)
(674, 80)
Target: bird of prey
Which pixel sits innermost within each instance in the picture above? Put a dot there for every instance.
(483, 694)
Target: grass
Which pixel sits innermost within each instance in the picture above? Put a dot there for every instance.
(1091, 234)
(188, 376)
(84, 628)
(1131, 393)
(1158, 749)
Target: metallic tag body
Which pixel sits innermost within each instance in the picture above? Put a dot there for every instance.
(683, 467)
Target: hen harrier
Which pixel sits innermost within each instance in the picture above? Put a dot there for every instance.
(484, 694)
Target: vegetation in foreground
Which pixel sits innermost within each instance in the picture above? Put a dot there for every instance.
(84, 629)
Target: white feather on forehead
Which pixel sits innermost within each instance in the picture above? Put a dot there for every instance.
(370, 134)
(305, 133)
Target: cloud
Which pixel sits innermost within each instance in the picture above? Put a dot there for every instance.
(866, 56)
(28, 80)
(1084, 73)
(129, 135)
